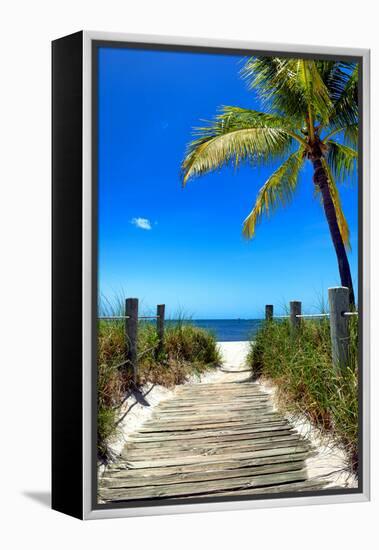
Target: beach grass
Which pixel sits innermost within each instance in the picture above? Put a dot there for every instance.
(187, 351)
(300, 365)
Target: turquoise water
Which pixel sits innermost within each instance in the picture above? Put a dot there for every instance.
(229, 330)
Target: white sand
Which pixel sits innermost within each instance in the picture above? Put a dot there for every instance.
(330, 460)
(233, 354)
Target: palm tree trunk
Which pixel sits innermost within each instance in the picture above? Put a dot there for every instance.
(321, 180)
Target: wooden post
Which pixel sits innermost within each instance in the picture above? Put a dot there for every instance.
(295, 309)
(269, 312)
(339, 325)
(160, 327)
(131, 334)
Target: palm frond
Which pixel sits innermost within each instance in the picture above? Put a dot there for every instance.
(289, 86)
(237, 135)
(342, 223)
(351, 135)
(278, 190)
(345, 110)
(336, 76)
(314, 88)
(269, 78)
(342, 160)
(248, 118)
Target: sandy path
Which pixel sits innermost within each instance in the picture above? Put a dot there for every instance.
(217, 436)
(328, 461)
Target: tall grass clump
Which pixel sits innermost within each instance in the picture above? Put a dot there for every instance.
(299, 363)
(187, 351)
(112, 381)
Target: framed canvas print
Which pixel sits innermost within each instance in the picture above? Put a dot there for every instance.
(210, 275)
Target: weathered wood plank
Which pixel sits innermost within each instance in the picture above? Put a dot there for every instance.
(197, 458)
(265, 457)
(150, 427)
(147, 443)
(117, 494)
(224, 383)
(168, 419)
(217, 452)
(213, 424)
(126, 479)
(243, 406)
(217, 412)
(296, 487)
(208, 434)
(157, 449)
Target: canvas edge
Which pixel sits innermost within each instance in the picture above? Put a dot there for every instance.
(88, 511)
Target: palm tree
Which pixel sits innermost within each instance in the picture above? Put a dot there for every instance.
(311, 114)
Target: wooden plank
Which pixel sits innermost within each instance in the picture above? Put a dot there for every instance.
(209, 435)
(225, 419)
(209, 399)
(211, 449)
(179, 460)
(223, 407)
(168, 425)
(253, 412)
(295, 487)
(180, 447)
(201, 417)
(238, 392)
(196, 414)
(207, 405)
(126, 479)
(205, 389)
(307, 485)
(200, 396)
(195, 426)
(178, 443)
(274, 456)
(246, 384)
(212, 487)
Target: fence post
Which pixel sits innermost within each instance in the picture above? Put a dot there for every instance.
(295, 309)
(339, 325)
(269, 312)
(160, 327)
(131, 334)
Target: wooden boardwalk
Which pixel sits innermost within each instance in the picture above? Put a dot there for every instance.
(211, 439)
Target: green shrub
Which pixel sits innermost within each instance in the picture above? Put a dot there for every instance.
(185, 342)
(301, 367)
(187, 351)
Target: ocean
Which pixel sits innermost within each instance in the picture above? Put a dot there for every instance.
(229, 330)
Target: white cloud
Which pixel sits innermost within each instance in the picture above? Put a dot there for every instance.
(142, 223)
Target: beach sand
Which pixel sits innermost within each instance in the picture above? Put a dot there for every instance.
(330, 459)
(234, 354)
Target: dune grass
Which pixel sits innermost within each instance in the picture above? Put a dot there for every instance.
(188, 351)
(300, 365)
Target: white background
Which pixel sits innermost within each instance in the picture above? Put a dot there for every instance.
(27, 29)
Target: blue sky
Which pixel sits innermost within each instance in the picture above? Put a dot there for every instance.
(184, 247)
